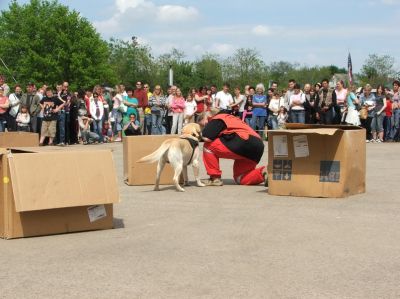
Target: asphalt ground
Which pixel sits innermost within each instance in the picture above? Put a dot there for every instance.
(223, 242)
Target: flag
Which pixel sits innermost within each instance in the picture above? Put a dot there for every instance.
(350, 69)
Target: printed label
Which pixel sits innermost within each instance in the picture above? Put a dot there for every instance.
(280, 146)
(301, 148)
(282, 170)
(96, 212)
(329, 172)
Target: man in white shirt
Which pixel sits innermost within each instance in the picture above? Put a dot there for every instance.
(15, 103)
(224, 99)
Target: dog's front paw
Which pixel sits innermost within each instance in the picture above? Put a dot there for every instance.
(180, 190)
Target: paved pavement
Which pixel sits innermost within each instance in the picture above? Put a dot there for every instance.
(223, 242)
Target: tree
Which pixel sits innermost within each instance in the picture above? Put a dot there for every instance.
(378, 69)
(45, 42)
(208, 70)
(131, 62)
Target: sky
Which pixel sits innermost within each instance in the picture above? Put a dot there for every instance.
(313, 32)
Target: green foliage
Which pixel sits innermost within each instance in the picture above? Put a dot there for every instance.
(378, 70)
(45, 42)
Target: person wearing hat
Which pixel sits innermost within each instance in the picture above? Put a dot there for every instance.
(226, 136)
(4, 105)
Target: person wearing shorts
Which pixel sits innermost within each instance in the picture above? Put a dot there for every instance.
(50, 105)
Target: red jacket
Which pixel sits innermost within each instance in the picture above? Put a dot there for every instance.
(235, 125)
(141, 96)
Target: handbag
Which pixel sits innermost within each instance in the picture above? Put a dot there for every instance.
(363, 112)
(122, 108)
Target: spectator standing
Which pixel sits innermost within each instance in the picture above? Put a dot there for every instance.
(202, 99)
(395, 135)
(259, 109)
(387, 121)
(239, 100)
(168, 117)
(308, 106)
(50, 105)
(141, 95)
(214, 91)
(64, 115)
(378, 115)
(4, 105)
(32, 100)
(117, 110)
(224, 99)
(15, 103)
(177, 107)
(341, 101)
(131, 103)
(368, 100)
(23, 120)
(6, 88)
(157, 103)
(352, 117)
(326, 100)
(273, 107)
(296, 104)
(289, 92)
(97, 113)
(190, 109)
(248, 107)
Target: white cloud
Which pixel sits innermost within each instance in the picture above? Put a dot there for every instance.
(261, 30)
(223, 49)
(129, 13)
(390, 2)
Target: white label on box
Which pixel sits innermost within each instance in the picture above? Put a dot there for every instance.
(300, 144)
(280, 146)
(96, 212)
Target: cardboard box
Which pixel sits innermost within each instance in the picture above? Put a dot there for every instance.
(44, 192)
(316, 161)
(18, 139)
(137, 174)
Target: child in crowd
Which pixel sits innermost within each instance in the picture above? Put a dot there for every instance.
(282, 117)
(190, 109)
(107, 132)
(23, 119)
(117, 115)
(248, 110)
(133, 127)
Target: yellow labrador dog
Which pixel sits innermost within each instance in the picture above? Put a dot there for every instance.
(179, 152)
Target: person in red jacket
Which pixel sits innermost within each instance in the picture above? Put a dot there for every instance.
(141, 95)
(226, 136)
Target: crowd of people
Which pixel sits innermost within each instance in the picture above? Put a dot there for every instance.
(104, 114)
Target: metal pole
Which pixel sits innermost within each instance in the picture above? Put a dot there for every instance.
(171, 76)
(5, 65)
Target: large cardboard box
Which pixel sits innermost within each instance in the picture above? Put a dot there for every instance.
(18, 139)
(316, 161)
(137, 174)
(47, 192)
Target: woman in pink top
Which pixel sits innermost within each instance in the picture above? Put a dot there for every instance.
(4, 104)
(341, 100)
(177, 107)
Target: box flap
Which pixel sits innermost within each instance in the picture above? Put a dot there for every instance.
(320, 131)
(50, 180)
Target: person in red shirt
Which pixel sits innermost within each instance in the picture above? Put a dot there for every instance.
(141, 95)
(4, 105)
(387, 120)
(226, 136)
(202, 99)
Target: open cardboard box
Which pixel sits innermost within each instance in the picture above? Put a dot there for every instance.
(47, 192)
(137, 174)
(18, 139)
(316, 161)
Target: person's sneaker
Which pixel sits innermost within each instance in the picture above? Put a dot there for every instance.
(213, 182)
(372, 140)
(61, 144)
(378, 141)
(118, 140)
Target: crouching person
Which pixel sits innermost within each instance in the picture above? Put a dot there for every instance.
(227, 137)
(88, 137)
(132, 128)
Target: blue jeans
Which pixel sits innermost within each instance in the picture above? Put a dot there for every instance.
(156, 120)
(258, 122)
(2, 127)
(395, 124)
(273, 122)
(61, 127)
(97, 128)
(298, 116)
(387, 124)
(147, 124)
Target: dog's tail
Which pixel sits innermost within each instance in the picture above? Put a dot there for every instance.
(155, 156)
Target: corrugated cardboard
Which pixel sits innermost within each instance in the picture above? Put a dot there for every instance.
(18, 139)
(137, 174)
(44, 193)
(318, 161)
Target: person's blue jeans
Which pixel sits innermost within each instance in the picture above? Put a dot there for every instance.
(2, 127)
(387, 124)
(396, 124)
(61, 127)
(156, 120)
(258, 123)
(147, 124)
(97, 128)
(297, 116)
(273, 122)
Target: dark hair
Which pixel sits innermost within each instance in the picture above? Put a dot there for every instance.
(382, 87)
(252, 87)
(132, 114)
(325, 80)
(274, 82)
(81, 94)
(17, 85)
(297, 86)
(226, 84)
(292, 81)
(397, 82)
(130, 88)
(214, 85)
(271, 90)
(49, 89)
